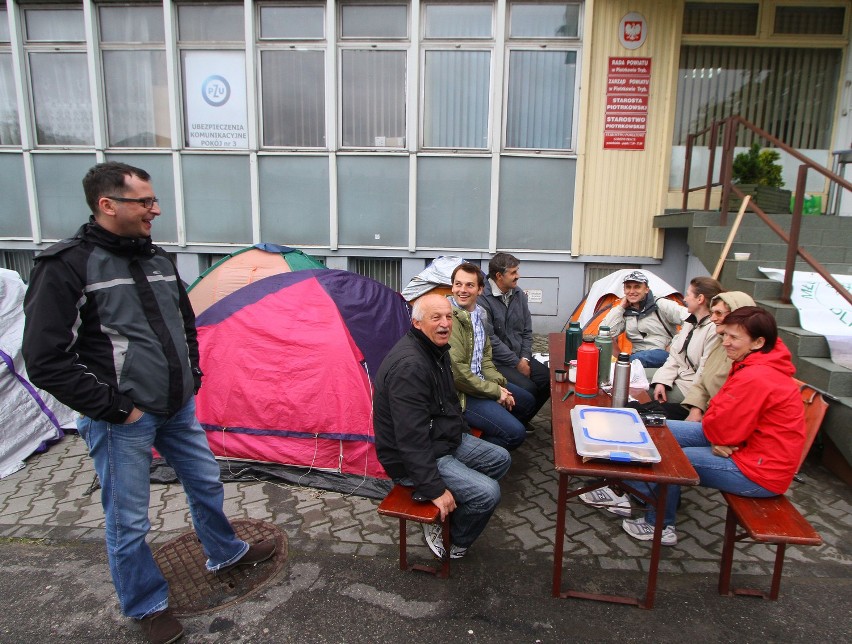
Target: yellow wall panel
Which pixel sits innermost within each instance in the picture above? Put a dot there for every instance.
(620, 191)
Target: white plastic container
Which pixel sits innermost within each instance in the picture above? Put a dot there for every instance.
(616, 434)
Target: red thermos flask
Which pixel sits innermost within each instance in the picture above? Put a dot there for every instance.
(587, 368)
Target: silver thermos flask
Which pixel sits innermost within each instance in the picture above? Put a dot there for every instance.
(621, 381)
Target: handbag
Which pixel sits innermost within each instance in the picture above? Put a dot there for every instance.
(672, 411)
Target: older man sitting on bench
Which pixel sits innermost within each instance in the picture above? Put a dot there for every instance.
(422, 440)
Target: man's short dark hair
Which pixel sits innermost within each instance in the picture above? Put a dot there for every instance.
(501, 263)
(468, 267)
(109, 178)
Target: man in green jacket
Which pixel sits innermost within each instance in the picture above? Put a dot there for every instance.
(490, 403)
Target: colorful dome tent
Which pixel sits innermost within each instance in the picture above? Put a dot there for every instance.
(243, 267)
(288, 363)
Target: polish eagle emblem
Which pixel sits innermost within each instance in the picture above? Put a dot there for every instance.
(632, 31)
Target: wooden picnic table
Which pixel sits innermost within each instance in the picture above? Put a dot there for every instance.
(673, 469)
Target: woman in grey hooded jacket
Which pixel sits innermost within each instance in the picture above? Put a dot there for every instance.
(718, 365)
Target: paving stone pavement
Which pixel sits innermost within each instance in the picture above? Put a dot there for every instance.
(51, 498)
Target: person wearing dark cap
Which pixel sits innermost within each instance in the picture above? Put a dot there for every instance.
(650, 323)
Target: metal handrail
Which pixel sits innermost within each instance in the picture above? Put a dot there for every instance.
(729, 130)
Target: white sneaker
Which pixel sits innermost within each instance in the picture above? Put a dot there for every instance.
(604, 497)
(457, 552)
(644, 531)
(433, 534)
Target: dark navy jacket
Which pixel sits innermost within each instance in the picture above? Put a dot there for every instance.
(508, 327)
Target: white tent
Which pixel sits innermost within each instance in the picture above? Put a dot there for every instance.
(28, 415)
(438, 273)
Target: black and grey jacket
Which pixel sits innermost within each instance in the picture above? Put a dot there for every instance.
(109, 326)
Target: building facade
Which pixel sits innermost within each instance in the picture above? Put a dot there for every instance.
(379, 134)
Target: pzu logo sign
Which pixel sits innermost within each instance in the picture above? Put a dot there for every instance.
(216, 91)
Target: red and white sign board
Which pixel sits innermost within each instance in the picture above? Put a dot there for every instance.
(628, 84)
(633, 30)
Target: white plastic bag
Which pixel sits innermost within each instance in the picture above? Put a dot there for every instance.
(638, 379)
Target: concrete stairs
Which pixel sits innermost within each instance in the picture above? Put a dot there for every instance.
(829, 240)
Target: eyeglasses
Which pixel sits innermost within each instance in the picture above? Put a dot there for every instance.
(147, 202)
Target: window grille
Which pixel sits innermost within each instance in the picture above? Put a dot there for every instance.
(386, 271)
(18, 260)
(810, 20)
(594, 272)
(721, 18)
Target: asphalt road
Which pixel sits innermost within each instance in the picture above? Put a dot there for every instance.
(61, 592)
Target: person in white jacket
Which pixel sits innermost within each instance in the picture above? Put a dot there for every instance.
(691, 346)
(649, 322)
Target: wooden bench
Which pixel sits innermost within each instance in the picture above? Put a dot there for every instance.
(400, 505)
(772, 520)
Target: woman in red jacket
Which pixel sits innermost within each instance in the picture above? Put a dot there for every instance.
(751, 438)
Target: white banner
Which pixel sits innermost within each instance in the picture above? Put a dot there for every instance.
(216, 113)
(822, 310)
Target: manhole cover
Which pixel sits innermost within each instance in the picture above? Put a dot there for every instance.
(193, 590)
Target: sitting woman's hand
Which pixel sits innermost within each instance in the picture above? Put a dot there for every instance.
(660, 393)
(724, 451)
(695, 415)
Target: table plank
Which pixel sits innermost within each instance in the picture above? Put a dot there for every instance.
(673, 468)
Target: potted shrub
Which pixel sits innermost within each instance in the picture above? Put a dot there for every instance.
(758, 173)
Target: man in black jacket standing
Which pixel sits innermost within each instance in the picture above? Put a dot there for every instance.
(110, 332)
(422, 439)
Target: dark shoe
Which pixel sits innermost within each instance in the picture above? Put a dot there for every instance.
(253, 556)
(161, 627)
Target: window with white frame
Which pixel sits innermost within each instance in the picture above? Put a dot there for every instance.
(211, 39)
(458, 40)
(292, 71)
(374, 41)
(543, 56)
(134, 71)
(10, 131)
(54, 40)
(788, 91)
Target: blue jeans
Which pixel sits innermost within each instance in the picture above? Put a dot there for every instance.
(715, 472)
(650, 357)
(499, 425)
(471, 474)
(122, 459)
